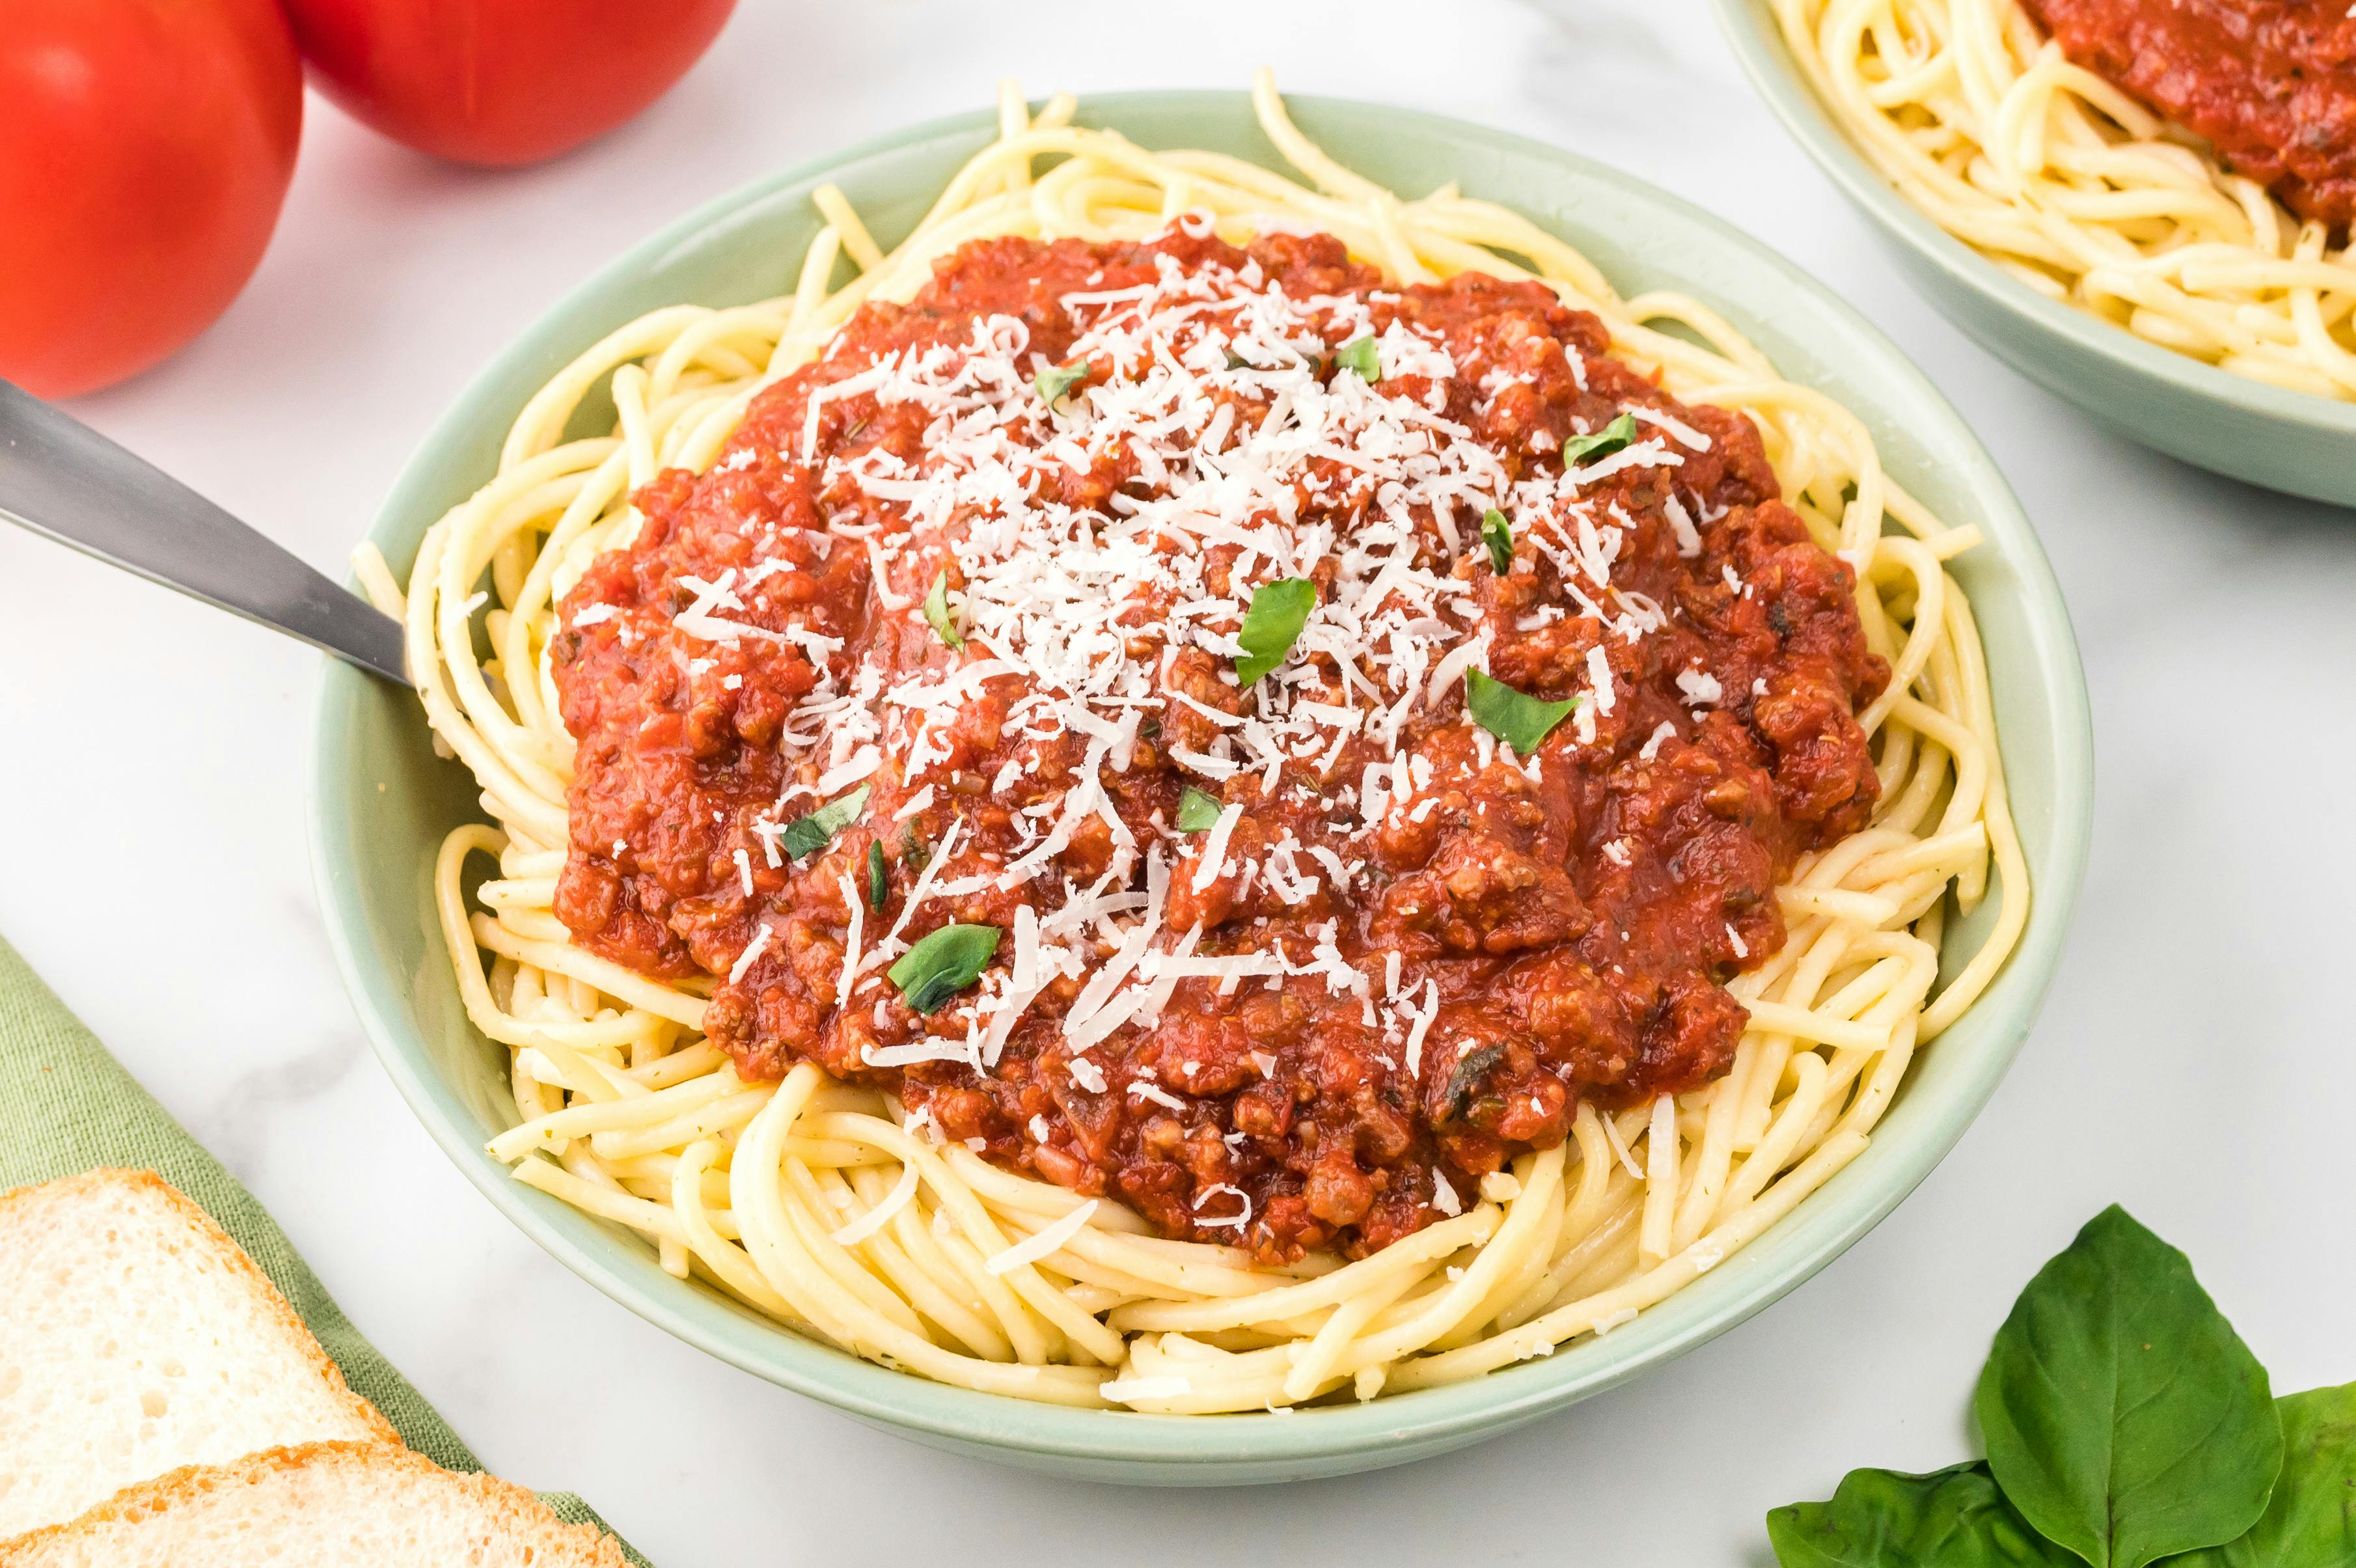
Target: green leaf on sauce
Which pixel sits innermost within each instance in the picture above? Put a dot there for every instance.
(936, 611)
(1498, 535)
(1603, 443)
(805, 836)
(1953, 1517)
(1464, 1082)
(943, 964)
(2311, 1518)
(1199, 810)
(1358, 354)
(1053, 382)
(1521, 720)
(2124, 1417)
(879, 878)
(1279, 610)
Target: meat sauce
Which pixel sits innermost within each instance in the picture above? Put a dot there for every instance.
(2271, 83)
(1569, 919)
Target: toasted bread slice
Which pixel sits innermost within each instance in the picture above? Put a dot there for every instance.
(322, 1505)
(137, 1338)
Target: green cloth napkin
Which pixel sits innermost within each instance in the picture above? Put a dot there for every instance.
(67, 1106)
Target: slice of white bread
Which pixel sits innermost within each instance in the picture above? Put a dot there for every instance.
(137, 1338)
(322, 1505)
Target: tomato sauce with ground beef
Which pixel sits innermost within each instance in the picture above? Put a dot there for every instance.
(2271, 83)
(1562, 924)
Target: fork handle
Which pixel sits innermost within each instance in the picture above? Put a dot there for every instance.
(61, 478)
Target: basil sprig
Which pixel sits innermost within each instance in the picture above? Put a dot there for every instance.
(1602, 444)
(1518, 719)
(879, 879)
(1955, 1517)
(1358, 354)
(805, 836)
(2311, 1518)
(1272, 625)
(2126, 1425)
(936, 611)
(943, 964)
(1497, 534)
(2123, 1415)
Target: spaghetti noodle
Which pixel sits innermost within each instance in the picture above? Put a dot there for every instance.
(2079, 190)
(830, 1207)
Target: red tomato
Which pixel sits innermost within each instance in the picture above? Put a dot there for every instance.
(500, 82)
(144, 149)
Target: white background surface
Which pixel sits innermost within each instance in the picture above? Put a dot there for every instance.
(2193, 1062)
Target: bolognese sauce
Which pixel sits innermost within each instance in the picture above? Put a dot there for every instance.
(954, 631)
(2271, 83)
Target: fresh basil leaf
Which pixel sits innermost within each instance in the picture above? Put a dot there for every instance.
(879, 878)
(2123, 1415)
(1497, 534)
(1603, 443)
(2311, 1520)
(1199, 810)
(1953, 1517)
(1053, 382)
(1272, 625)
(943, 964)
(1358, 354)
(936, 611)
(1521, 720)
(805, 836)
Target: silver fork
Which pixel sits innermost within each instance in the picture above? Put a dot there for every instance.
(61, 478)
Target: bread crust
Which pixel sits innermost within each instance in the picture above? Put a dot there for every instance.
(523, 1517)
(207, 1231)
(513, 1513)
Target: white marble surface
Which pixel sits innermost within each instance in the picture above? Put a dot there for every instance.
(2193, 1062)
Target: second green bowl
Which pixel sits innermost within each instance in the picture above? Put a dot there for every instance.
(2290, 441)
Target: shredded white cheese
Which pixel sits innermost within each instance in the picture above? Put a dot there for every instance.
(1039, 1244)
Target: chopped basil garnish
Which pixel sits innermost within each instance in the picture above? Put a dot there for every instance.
(1199, 810)
(1603, 443)
(943, 964)
(1053, 382)
(1521, 720)
(805, 836)
(1279, 610)
(936, 611)
(1498, 535)
(1358, 354)
(1237, 362)
(879, 879)
(1464, 1082)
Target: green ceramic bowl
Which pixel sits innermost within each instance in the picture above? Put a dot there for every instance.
(2288, 441)
(381, 802)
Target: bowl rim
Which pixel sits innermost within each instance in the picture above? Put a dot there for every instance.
(1757, 40)
(1385, 1431)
